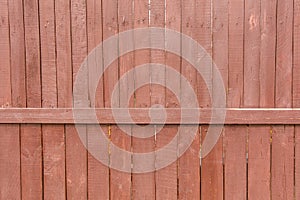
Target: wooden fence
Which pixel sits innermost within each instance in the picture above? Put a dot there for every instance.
(254, 43)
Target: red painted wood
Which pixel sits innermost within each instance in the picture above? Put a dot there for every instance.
(252, 53)
(235, 162)
(234, 139)
(267, 53)
(233, 116)
(235, 55)
(282, 162)
(284, 54)
(17, 52)
(297, 162)
(256, 36)
(259, 162)
(212, 164)
(283, 136)
(212, 170)
(296, 91)
(11, 142)
(63, 53)
(143, 185)
(166, 178)
(189, 163)
(10, 162)
(53, 136)
(121, 181)
(31, 136)
(98, 174)
(76, 154)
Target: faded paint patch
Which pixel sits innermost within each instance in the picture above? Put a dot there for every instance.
(253, 21)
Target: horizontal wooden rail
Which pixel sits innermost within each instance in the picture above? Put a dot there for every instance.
(141, 116)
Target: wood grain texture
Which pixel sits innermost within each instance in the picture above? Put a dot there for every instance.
(259, 162)
(296, 91)
(189, 163)
(48, 53)
(166, 178)
(63, 53)
(212, 170)
(297, 162)
(256, 36)
(235, 56)
(98, 174)
(143, 185)
(234, 138)
(5, 56)
(212, 164)
(282, 162)
(235, 162)
(283, 136)
(31, 135)
(11, 149)
(284, 49)
(158, 97)
(54, 161)
(31, 162)
(17, 52)
(252, 53)
(233, 116)
(10, 185)
(53, 136)
(76, 163)
(267, 53)
(76, 153)
(120, 181)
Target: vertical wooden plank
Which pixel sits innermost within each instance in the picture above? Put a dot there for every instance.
(284, 51)
(267, 53)
(63, 63)
(200, 26)
(296, 92)
(10, 162)
(236, 42)
(282, 162)
(166, 178)
(48, 53)
(18, 92)
(196, 24)
(54, 161)
(120, 182)
(283, 136)
(212, 170)
(31, 138)
(5, 87)
(212, 164)
(53, 136)
(110, 28)
(259, 162)
(76, 154)
(157, 19)
(9, 134)
(17, 52)
(64, 73)
(297, 162)
(143, 185)
(63, 53)
(98, 174)
(235, 162)
(234, 138)
(259, 136)
(252, 53)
